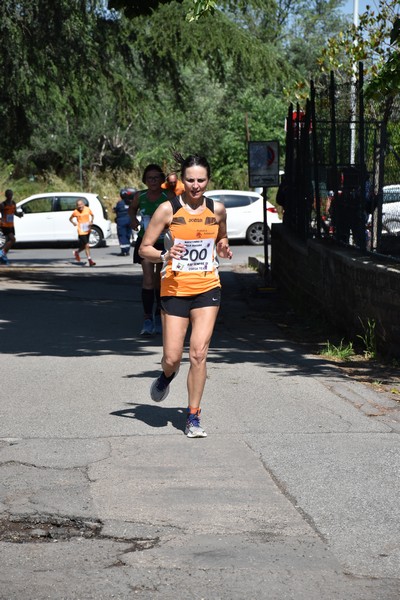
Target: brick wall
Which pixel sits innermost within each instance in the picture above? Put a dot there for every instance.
(342, 283)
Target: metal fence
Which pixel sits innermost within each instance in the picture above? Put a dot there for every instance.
(342, 169)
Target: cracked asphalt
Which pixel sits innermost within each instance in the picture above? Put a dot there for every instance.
(293, 494)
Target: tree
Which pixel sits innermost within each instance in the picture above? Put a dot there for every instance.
(375, 42)
(307, 26)
(53, 72)
(124, 91)
(136, 8)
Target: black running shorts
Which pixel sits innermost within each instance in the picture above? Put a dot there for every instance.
(7, 231)
(180, 306)
(84, 239)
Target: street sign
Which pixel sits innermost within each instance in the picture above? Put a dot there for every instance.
(263, 161)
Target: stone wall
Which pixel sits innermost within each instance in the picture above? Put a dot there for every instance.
(342, 283)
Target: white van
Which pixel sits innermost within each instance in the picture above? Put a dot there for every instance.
(46, 218)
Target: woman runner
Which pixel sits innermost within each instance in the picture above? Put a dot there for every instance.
(195, 233)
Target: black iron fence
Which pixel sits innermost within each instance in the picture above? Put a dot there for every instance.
(342, 168)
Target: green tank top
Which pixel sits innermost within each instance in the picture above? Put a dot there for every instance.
(147, 209)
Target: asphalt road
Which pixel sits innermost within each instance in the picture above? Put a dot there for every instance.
(62, 255)
(293, 494)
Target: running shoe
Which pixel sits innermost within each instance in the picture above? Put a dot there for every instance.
(4, 259)
(159, 389)
(76, 255)
(91, 263)
(157, 324)
(193, 427)
(148, 327)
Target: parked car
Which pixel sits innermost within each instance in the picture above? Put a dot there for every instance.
(46, 218)
(391, 209)
(245, 219)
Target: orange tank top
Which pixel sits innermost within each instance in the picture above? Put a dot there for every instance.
(7, 214)
(197, 270)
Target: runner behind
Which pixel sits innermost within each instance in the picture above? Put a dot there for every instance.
(82, 218)
(8, 210)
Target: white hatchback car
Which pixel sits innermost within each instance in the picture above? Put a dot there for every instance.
(245, 219)
(391, 209)
(46, 218)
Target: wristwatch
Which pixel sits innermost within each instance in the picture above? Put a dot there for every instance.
(162, 255)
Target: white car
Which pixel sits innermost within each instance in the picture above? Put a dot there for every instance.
(46, 218)
(245, 219)
(391, 209)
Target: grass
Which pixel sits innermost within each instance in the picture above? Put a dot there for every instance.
(369, 338)
(341, 352)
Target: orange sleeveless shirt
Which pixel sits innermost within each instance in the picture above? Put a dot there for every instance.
(7, 214)
(197, 270)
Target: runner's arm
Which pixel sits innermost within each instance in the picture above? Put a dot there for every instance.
(18, 212)
(222, 241)
(132, 211)
(160, 220)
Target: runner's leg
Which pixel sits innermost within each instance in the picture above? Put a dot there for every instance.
(203, 321)
(10, 241)
(148, 288)
(174, 331)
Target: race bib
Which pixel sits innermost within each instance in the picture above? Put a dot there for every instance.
(85, 226)
(198, 256)
(9, 218)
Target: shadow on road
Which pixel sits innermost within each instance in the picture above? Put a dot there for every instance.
(96, 314)
(154, 416)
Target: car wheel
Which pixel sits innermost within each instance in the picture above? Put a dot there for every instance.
(255, 234)
(2, 239)
(96, 237)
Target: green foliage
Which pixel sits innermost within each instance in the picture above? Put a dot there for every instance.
(369, 338)
(119, 92)
(200, 9)
(341, 352)
(386, 82)
(375, 42)
(246, 113)
(135, 8)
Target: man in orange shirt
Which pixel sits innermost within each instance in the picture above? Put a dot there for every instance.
(8, 209)
(173, 185)
(82, 218)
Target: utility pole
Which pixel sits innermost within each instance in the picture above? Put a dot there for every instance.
(80, 167)
(353, 93)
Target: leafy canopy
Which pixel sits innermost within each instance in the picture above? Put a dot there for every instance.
(375, 42)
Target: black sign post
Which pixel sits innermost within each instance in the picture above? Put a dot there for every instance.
(263, 161)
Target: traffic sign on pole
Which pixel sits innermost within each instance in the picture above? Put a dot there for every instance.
(263, 161)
